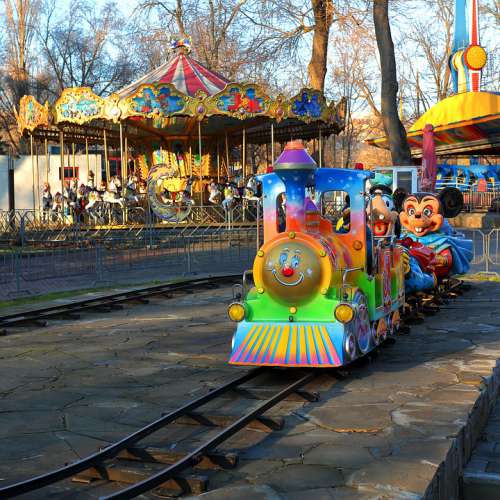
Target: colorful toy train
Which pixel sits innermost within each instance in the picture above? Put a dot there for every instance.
(327, 294)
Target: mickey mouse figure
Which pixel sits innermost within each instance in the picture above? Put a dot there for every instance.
(423, 220)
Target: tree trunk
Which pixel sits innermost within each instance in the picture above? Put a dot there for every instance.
(323, 18)
(395, 132)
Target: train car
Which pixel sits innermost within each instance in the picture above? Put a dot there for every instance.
(322, 296)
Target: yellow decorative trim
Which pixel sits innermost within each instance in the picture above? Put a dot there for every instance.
(78, 105)
(162, 102)
(32, 114)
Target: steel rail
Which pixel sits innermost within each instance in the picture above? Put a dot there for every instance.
(111, 451)
(108, 300)
(195, 456)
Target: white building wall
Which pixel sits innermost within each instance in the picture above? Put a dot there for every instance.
(23, 177)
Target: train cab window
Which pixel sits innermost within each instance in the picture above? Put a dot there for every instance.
(335, 206)
(281, 212)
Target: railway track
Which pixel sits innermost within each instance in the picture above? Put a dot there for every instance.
(168, 479)
(107, 303)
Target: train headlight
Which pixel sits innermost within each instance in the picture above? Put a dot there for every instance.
(236, 311)
(344, 313)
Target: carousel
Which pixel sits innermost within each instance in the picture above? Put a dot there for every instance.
(181, 135)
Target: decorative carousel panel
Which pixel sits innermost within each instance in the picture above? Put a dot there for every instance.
(78, 105)
(32, 114)
(308, 105)
(279, 108)
(112, 109)
(155, 101)
(239, 101)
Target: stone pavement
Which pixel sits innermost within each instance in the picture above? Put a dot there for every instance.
(402, 426)
(482, 474)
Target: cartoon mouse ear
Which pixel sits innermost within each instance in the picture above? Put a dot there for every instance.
(452, 201)
(398, 197)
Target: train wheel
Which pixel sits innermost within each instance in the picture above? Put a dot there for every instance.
(381, 330)
(395, 322)
(361, 324)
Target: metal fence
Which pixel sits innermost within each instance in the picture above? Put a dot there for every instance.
(31, 271)
(485, 202)
(486, 249)
(160, 256)
(28, 227)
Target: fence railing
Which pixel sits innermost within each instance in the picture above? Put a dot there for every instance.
(486, 250)
(26, 270)
(488, 201)
(23, 227)
(159, 257)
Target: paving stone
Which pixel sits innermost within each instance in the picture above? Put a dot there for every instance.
(394, 476)
(259, 492)
(338, 493)
(297, 477)
(349, 457)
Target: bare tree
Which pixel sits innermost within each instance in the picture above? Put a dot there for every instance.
(15, 73)
(20, 19)
(400, 151)
(323, 18)
(82, 48)
(219, 37)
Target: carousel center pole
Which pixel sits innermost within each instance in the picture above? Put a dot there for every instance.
(243, 170)
(218, 163)
(106, 161)
(61, 146)
(320, 145)
(272, 143)
(122, 166)
(32, 171)
(37, 178)
(227, 156)
(244, 154)
(125, 158)
(87, 160)
(47, 166)
(190, 159)
(201, 163)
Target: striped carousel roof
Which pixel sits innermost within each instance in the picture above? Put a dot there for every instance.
(466, 123)
(185, 73)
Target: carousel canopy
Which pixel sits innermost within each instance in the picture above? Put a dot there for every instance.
(185, 73)
(467, 123)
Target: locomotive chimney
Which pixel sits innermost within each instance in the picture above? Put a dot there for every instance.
(294, 166)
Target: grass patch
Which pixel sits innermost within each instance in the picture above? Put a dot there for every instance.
(482, 277)
(46, 297)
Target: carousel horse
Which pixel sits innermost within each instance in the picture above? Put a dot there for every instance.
(251, 189)
(214, 193)
(57, 206)
(47, 202)
(131, 191)
(81, 201)
(94, 206)
(112, 195)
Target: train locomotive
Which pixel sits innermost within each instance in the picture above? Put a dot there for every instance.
(322, 296)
